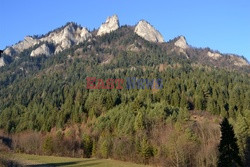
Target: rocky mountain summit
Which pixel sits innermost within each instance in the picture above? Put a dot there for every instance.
(21, 46)
(111, 24)
(148, 32)
(68, 36)
(72, 34)
(181, 42)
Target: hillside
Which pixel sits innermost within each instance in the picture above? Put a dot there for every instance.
(46, 108)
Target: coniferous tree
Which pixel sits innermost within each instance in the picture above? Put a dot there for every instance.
(87, 145)
(145, 150)
(242, 132)
(228, 148)
(139, 124)
(184, 102)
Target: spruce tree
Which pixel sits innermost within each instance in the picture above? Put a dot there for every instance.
(242, 132)
(87, 145)
(139, 122)
(146, 151)
(228, 148)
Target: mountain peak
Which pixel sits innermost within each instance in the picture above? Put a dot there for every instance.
(111, 24)
(181, 42)
(148, 32)
(21, 46)
(62, 38)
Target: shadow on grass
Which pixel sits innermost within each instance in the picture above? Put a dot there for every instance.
(9, 163)
(84, 163)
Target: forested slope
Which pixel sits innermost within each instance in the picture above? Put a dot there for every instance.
(178, 124)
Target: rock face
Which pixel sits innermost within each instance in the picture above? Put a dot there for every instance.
(69, 35)
(2, 62)
(9, 51)
(25, 44)
(214, 55)
(42, 50)
(111, 24)
(181, 42)
(58, 49)
(148, 32)
(238, 61)
(21, 46)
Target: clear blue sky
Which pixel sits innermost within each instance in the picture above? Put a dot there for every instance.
(222, 25)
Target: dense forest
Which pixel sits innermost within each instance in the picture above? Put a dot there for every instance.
(46, 108)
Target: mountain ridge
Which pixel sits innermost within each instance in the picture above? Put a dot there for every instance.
(72, 34)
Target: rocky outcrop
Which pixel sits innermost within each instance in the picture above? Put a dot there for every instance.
(181, 42)
(111, 24)
(25, 44)
(42, 50)
(148, 32)
(214, 55)
(238, 61)
(21, 46)
(69, 35)
(2, 62)
(58, 49)
(9, 51)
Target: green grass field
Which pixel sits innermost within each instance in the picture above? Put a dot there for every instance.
(40, 161)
